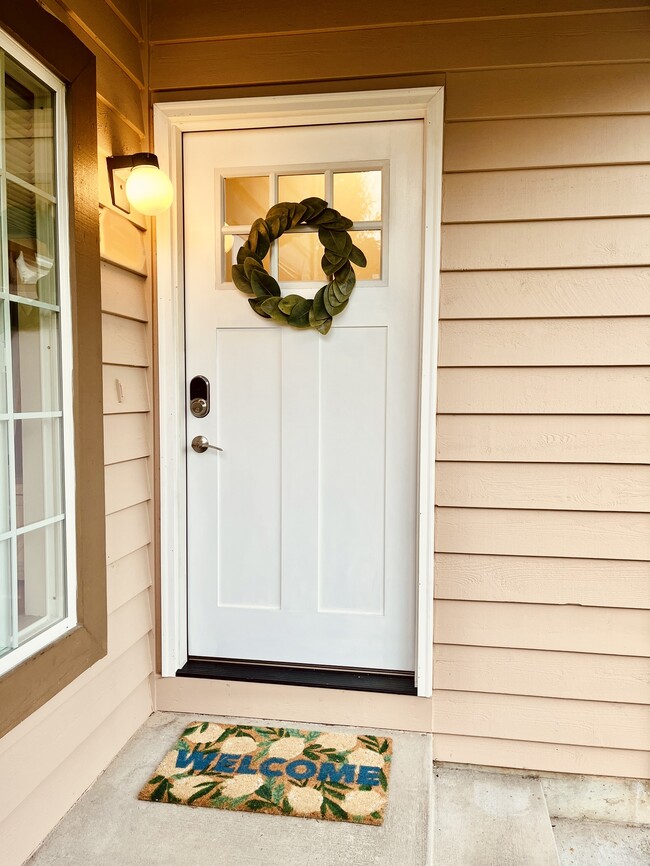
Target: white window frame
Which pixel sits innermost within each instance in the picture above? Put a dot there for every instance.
(171, 120)
(49, 635)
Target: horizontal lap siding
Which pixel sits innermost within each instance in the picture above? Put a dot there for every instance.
(71, 739)
(542, 612)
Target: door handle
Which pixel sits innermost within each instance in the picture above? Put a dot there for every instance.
(200, 444)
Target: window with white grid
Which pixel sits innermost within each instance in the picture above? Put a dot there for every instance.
(37, 565)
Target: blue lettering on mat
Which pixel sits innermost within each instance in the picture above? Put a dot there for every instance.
(226, 763)
(196, 760)
(308, 771)
(245, 766)
(329, 771)
(265, 766)
(369, 776)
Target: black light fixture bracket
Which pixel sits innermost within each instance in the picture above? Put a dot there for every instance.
(115, 163)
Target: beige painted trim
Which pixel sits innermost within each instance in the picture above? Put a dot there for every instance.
(38, 679)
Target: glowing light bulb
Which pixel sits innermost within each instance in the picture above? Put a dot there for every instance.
(149, 190)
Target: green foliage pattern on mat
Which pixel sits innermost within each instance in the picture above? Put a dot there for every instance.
(278, 771)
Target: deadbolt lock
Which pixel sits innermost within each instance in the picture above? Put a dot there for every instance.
(199, 407)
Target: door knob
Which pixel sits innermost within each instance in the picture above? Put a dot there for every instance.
(200, 444)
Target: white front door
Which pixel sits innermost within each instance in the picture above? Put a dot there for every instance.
(302, 531)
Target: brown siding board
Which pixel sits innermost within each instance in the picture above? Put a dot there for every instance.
(542, 673)
(545, 293)
(568, 628)
(551, 757)
(547, 193)
(171, 21)
(124, 341)
(126, 531)
(572, 342)
(551, 92)
(126, 437)
(124, 293)
(582, 534)
(612, 439)
(408, 49)
(131, 12)
(542, 580)
(560, 486)
(99, 20)
(520, 717)
(541, 390)
(546, 244)
(128, 577)
(126, 484)
(546, 142)
(130, 395)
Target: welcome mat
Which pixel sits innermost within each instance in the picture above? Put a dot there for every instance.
(278, 771)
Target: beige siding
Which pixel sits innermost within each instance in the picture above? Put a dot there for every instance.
(542, 531)
(543, 582)
(83, 727)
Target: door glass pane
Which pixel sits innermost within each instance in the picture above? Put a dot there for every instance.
(35, 358)
(29, 127)
(6, 598)
(370, 244)
(247, 198)
(296, 187)
(231, 246)
(357, 195)
(39, 492)
(31, 244)
(41, 599)
(300, 255)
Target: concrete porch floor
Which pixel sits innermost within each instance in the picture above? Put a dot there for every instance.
(438, 816)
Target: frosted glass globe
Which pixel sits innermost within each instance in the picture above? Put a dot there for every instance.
(149, 190)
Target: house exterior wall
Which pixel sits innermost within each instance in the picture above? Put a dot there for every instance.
(56, 753)
(542, 613)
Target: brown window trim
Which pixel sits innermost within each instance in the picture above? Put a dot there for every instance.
(39, 678)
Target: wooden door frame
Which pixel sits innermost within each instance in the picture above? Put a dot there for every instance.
(171, 120)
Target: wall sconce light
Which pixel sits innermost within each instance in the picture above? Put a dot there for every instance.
(138, 176)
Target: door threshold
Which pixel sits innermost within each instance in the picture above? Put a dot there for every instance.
(387, 682)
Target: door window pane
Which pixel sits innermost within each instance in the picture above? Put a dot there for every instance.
(35, 358)
(31, 244)
(39, 489)
(370, 244)
(247, 198)
(296, 187)
(300, 254)
(5, 523)
(357, 195)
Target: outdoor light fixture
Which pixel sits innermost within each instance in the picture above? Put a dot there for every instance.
(139, 178)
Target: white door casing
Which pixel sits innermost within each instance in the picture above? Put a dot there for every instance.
(170, 121)
(302, 532)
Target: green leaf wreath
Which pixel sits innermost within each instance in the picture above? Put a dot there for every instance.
(250, 276)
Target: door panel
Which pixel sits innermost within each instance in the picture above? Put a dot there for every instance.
(302, 531)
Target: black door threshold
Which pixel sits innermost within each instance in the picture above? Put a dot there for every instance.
(358, 681)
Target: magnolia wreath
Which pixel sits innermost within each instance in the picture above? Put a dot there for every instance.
(250, 276)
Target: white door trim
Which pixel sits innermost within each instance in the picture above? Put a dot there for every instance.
(171, 120)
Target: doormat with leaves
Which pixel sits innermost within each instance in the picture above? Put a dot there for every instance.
(279, 771)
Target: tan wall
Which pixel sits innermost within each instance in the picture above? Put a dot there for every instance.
(55, 754)
(543, 538)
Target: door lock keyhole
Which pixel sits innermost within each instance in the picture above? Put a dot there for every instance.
(199, 396)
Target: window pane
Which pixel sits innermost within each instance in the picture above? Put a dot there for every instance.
(3, 358)
(4, 478)
(41, 599)
(31, 244)
(296, 187)
(29, 127)
(300, 255)
(357, 195)
(39, 491)
(370, 244)
(35, 358)
(247, 198)
(5, 598)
